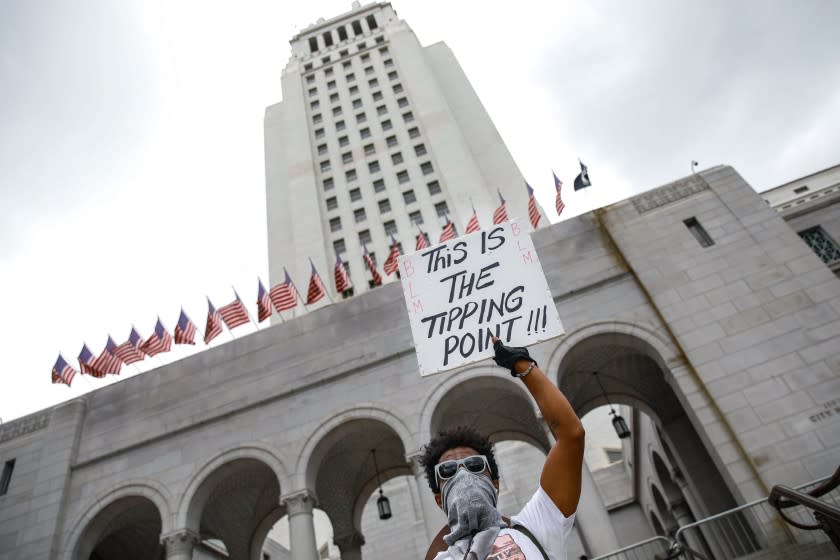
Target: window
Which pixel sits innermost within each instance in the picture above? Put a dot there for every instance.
(6, 479)
(373, 83)
(339, 125)
(426, 168)
(377, 96)
(420, 150)
(390, 227)
(396, 158)
(408, 117)
(346, 64)
(355, 195)
(313, 92)
(357, 28)
(328, 183)
(409, 197)
(342, 36)
(325, 60)
(388, 63)
(313, 44)
(416, 217)
(347, 157)
(698, 232)
(319, 133)
(370, 149)
(384, 206)
(391, 141)
(307, 67)
(402, 102)
(365, 57)
(357, 103)
(331, 84)
(336, 111)
(379, 185)
(353, 90)
(325, 165)
(343, 52)
(392, 75)
(315, 104)
(373, 167)
(800, 190)
(413, 132)
(386, 124)
(350, 77)
(371, 21)
(441, 209)
(335, 224)
(380, 39)
(322, 149)
(402, 176)
(343, 141)
(364, 237)
(328, 71)
(381, 110)
(397, 88)
(359, 215)
(333, 98)
(332, 203)
(364, 132)
(368, 69)
(361, 46)
(349, 291)
(822, 244)
(434, 188)
(350, 175)
(339, 246)
(361, 117)
(383, 50)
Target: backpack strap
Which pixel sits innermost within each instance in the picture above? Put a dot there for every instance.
(524, 530)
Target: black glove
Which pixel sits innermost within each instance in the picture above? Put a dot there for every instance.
(507, 356)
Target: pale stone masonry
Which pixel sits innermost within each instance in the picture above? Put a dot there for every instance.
(730, 348)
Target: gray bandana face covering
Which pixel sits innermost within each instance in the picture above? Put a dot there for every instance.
(469, 501)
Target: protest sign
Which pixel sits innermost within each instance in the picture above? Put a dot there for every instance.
(461, 293)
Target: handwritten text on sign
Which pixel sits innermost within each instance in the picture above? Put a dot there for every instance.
(463, 292)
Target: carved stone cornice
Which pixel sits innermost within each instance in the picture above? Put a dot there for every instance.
(669, 193)
(180, 541)
(23, 426)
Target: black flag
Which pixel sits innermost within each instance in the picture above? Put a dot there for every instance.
(582, 180)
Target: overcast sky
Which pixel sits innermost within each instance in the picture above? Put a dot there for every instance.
(131, 154)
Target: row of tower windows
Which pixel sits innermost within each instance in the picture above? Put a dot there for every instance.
(360, 214)
(341, 31)
(372, 83)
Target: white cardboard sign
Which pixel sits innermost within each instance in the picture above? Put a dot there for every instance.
(462, 292)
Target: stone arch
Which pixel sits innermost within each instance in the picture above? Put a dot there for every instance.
(129, 518)
(657, 524)
(672, 491)
(669, 521)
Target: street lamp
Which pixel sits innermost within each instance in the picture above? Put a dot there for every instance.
(382, 503)
(621, 429)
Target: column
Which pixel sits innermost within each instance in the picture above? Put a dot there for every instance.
(433, 517)
(179, 544)
(593, 519)
(301, 525)
(350, 545)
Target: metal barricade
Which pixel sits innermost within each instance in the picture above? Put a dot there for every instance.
(656, 548)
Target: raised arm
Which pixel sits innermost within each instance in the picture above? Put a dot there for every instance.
(561, 475)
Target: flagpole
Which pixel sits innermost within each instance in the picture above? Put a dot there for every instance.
(248, 313)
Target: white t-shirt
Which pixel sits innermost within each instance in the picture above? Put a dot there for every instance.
(548, 525)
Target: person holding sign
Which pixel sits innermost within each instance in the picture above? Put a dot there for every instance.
(464, 477)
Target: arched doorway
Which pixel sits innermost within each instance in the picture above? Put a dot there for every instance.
(128, 528)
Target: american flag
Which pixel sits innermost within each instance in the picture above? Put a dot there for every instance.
(62, 372)
(316, 287)
(234, 314)
(558, 201)
(533, 211)
(473, 225)
(342, 279)
(86, 359)
(422, 241)
(263, 302)
(185, 330)
(284, 295)
(129, 351)
(159, 342)
(377, 279)
(214, 323)
(500, 214)
(107, 362)
(390, 265)
(448, 231)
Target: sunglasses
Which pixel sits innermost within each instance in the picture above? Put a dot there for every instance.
(474, 463)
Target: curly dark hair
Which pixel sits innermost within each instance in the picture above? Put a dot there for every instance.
(462, 436)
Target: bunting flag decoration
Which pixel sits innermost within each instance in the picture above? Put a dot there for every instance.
(185, 330)
(473, 225)
(342, 279)
(234, 314)
(375, 276)
(129, 351)
(390, 265)
(106, 362)
(284, 295)
(533, 211)
(422, 241)
(214, 323)
(86, 362)
(582, 180)
(448, 231)
(263, 303)
(62, 372)
(558, 201)
(159, 342)
(500, 214)
(316, 287)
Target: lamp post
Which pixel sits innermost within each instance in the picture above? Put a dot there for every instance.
(620, 425)
(382, 503)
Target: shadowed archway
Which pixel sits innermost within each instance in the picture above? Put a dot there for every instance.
(127, 529)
